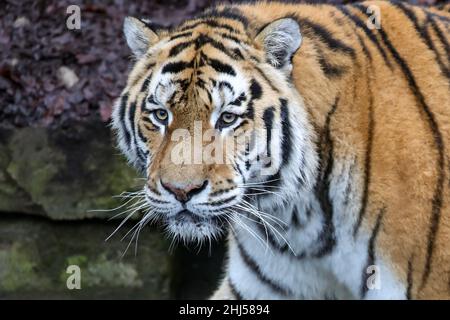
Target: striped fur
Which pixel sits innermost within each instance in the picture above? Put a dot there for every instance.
(357, 128)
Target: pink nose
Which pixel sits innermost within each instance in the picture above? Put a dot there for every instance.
(185, 194)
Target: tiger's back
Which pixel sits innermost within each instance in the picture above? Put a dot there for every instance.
(391, 122)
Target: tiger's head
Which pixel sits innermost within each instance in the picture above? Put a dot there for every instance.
(209, 115)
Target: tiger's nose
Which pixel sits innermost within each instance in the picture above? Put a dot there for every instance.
(185, 193)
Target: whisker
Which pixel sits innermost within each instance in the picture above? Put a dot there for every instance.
(239, 222)
(263, 182)
(141, 205)
(123, 222)
(267, 216)
(114, 209)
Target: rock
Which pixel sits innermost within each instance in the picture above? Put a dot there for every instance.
(35, 254)
(12, 197)
(67, 77)
(62, 173)
(21, 22)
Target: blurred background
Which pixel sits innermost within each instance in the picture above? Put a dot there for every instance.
(58, 161)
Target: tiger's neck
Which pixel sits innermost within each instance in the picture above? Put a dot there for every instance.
(328, 95)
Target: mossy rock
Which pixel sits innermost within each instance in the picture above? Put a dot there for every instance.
(12, 197)
(63, 173)
(35, 255)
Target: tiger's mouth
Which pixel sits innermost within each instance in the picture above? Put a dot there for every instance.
(189, 225)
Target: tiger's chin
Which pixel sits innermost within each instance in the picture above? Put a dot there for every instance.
(191, 227)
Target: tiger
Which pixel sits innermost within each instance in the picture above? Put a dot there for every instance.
(340, 188)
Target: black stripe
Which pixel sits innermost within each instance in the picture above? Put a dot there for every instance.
(123, 109)
(175, 50)
(243, 123)
(156, 200)
(154, 128)
(175, 67)
(268, 124)
(443, 40)
(131, 118)
(227, 85)
(238, 54)
(340, 22)
(221, 67)
(219, 202)
(424, 34)
(439, 143)
(234, 291)
(409, 279)
(180, 35)
(358, 22)
(364, 48)
(209, 23)
(228, 13)
(367, 167)
(255, 90)
(238, 169)
(152, 189)
(220, 192)
(233, 38)
(152, 25)
(294, 221)
(302, 177)
(286, 143)
(325, 36)
(247, 154)
(145, 84)
(258, 273)
(151, 99)
(255, 93)
(437, 16)
(204, 39)
(242, 97)
(199, 42)
(322, 188)
(371, 252)
(348, 187)
(330, 70)
(273, 180)
(448, 272)
(140, 134)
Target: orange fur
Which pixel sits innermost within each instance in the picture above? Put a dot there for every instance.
(393, 119)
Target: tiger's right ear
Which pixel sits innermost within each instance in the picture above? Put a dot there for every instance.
(280, 40)
(139, 35)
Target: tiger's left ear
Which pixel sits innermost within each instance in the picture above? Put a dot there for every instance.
(280, 40)
(139, 35)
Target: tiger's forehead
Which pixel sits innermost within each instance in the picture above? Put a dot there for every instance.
(198, 70)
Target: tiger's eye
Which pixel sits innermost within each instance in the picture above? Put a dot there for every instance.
(161, 115)
(228, 118)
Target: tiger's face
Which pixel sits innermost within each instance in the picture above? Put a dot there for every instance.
(207, 117)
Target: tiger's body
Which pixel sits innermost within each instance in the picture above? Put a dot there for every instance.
(361, 118)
